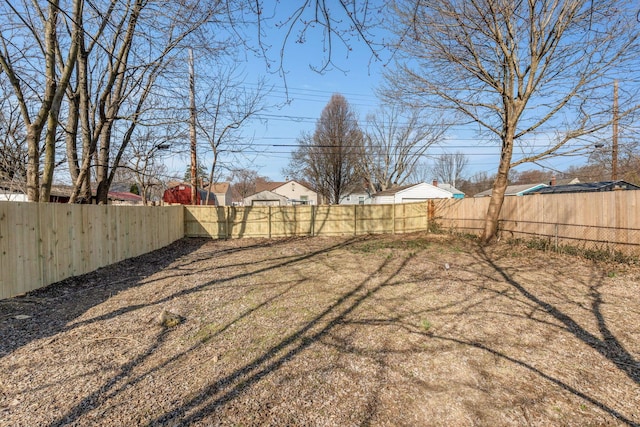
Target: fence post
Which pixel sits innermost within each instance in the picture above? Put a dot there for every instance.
(393, 218)
(313, 220)
(355, 220)
(431, 214)
(556, 236)
(269, 218)
(226, 223)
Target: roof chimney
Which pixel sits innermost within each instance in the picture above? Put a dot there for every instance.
(553, 180)
(435, 182)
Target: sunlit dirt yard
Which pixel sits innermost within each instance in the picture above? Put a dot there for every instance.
(413, 330)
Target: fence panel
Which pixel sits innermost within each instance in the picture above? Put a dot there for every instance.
(410, 217)
(43, 243)
(602, 221)
(374, 219)
(286, 221)
(289, 221)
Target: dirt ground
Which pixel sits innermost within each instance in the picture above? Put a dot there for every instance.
(417, 330)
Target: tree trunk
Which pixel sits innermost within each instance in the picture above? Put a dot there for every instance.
(498, 191)
(33, 163)
(82, 183)
(192, 131)
(71, 137)
(102, 168)
(49, 155)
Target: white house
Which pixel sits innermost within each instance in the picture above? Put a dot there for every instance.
(357, 197)
(266, 198)
(8, 195)
(411, 193)
(11, 192)
(296, 193)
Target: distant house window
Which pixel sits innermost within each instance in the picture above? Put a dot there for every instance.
(361, 200)
(348, 198)
(304, 198)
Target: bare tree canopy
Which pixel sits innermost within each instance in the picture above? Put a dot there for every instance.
(225, 106)
(450, 168)
(243, 183)
(87, 71)
(396, 139)
(39, 68)
(533, 75)
(13, 147)
(329, 159)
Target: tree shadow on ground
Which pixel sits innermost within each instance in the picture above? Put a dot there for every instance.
(202, 405)
(228, 388)
(607, 345)
(52, 309)
(281, 262)
(112, 386)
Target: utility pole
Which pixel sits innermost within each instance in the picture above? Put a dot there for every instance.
(614, 145)
(192, 130)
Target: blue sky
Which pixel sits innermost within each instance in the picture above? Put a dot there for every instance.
(357, 78)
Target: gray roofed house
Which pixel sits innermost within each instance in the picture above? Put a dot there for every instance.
(457, 194)
(585, 187)
(514, 190)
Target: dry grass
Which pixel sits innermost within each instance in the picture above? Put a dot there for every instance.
(366, 331)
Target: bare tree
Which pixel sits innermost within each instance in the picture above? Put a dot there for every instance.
(421, 172)
(450, 168)
(396, 139)
(243, 183)
(328, 159)
(138, 54)
(600, 161)
(110, 58)
(144, 158)
(528, 73)
(533, 176)
(13, 147)
(30, 56)
(477, 183)
(228, 104)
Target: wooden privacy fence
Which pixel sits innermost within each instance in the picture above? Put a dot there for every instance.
(43, 243)
(603, 220)
(288, 221)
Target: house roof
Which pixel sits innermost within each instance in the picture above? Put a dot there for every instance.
(514, 190)
(265, 195)
(272, 186)
(450, 188)
(268, 186)
(65, 191)
(586, 187)
(567, 181)
(396, 190)
(219, 187)
(393, 191)
(124, 196)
